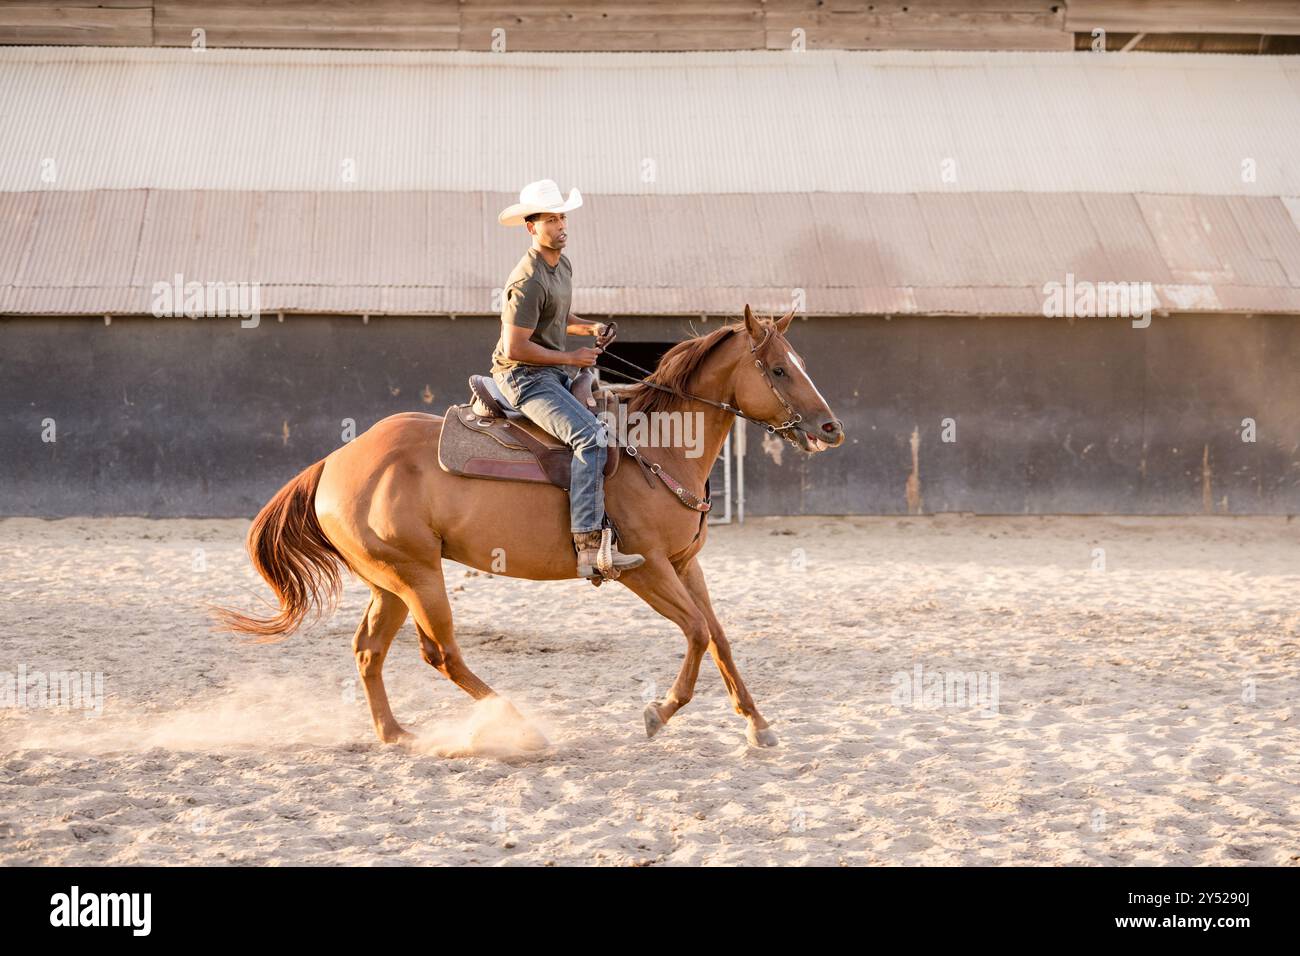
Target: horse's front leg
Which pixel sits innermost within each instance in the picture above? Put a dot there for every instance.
(758, 732)
(657, 584)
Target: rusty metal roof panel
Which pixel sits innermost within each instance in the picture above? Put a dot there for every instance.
(193, 233)
(494, 243)
(1276, 227)
(1241, 264)
(787, 228)
(1015, 236)
(961, 251)
(430, 300)
(1184, 243)
(18, 219)
(618, 248)
(90, 235)
(1131, 251)
(1066, 237)
(430, 252)
(817, 301)
(403, 234)
(197, 234)
(736, 244)
(899, 231)
(613, 244)
(1011, 300)
(286, 237)
(887, 300)
(74, 300)
(838, 227)
(1187, 297)
(463, 253)
(1237, 298)
(661, 240)
(648, 124)
(342, 246)
(946, 300)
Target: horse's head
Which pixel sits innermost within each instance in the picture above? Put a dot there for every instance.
(773, 386)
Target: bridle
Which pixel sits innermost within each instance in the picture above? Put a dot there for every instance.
(793, 418)
(679, 490)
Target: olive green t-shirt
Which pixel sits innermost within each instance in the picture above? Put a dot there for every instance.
(537, 297)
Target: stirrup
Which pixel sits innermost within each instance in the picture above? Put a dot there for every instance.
(605, 554)
(605, 566)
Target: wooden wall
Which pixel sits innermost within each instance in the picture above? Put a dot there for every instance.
(618, 25)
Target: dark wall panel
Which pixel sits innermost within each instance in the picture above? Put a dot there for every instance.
(177, 417)
(1052, 417)
(171, 417)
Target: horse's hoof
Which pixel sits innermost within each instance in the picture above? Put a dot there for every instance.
(761, 738)
(397, 736)
(653, 722)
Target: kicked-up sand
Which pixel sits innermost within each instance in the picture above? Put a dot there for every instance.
(946, 690)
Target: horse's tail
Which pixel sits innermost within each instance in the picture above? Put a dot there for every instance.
(290, 551)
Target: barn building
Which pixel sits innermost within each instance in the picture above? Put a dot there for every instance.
(1031, 279)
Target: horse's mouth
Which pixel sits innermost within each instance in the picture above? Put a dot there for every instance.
(807, 443)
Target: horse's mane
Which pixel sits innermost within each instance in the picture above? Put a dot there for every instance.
(677, 365)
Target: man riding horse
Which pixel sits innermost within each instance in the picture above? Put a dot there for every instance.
(383, 507)
(534, 368)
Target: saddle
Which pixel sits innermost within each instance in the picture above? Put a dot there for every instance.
(487, 437)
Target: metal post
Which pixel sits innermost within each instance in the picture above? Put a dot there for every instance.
(739, 432)
(726, 477)
(726, 484)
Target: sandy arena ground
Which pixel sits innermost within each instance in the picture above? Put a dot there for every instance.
(1144, 713)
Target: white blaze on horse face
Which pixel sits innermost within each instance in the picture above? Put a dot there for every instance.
(797, 363)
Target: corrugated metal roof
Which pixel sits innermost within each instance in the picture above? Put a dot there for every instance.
(730, 122)
(439, 252)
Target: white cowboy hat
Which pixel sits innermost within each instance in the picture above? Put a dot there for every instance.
(541, 196)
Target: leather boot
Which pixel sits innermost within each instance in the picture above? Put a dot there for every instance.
(593, 563)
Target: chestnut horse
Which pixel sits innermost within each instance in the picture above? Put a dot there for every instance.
(381, 505)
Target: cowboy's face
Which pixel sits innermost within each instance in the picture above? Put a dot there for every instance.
(550, 229)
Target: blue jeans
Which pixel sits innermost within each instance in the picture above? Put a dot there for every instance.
(542, 393)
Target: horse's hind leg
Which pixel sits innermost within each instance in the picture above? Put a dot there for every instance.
(426, 594)
(382, 621)
(429, 650)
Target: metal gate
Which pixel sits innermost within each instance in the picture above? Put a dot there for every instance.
(728, 474)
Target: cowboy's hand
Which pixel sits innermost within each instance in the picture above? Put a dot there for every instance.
(584, 356)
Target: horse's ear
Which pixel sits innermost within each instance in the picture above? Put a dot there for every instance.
(783, 323)
(752, 325)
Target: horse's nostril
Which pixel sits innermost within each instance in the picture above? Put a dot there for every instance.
(831, 427)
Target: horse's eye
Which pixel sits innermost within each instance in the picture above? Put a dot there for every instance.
(778, 371)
